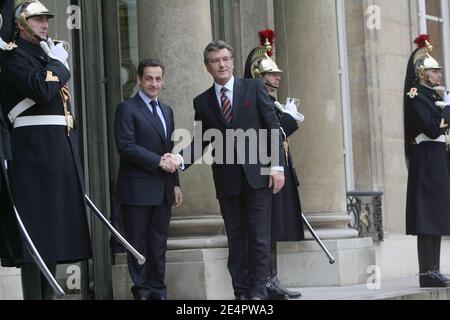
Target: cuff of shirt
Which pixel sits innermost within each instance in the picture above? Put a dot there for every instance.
(280, 169)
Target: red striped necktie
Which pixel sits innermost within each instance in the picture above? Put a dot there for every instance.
(226, 108)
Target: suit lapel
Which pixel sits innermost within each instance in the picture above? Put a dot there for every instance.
(149, 115)
(214, 105)
(237, 100)
(167, 118)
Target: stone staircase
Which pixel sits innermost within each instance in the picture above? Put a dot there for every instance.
(388, 289)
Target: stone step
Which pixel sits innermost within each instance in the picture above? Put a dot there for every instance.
(388, 289)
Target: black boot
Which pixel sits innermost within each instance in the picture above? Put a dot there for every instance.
(34, 284)
(437, 259)
(275, 291)
(428, 254)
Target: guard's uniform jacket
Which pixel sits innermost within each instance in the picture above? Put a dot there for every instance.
(9, 232)
(287, 222)
(45, 174)
(428, 194)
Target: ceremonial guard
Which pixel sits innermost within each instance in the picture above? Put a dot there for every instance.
(286, 207)
(45, 173)
(427, 119)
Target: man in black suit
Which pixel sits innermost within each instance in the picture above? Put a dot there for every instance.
(143, 129)
(245, 184)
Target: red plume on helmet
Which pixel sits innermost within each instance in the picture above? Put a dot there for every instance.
(421, 41)
(267, 35)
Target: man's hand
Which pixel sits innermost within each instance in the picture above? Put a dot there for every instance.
(178, 197)
(56, 52)
(170, 163)
(167, 164)
(276, 181)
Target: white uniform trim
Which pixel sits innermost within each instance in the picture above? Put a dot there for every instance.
(40, 121)
(424, 138)
(20, 108)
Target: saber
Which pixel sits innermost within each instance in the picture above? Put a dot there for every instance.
(59, 292)
(140, 258)
(316, 237)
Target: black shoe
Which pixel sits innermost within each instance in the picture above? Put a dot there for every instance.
(240, 296)
(442, 277)
(255, 298)
(290, 293)
(433, 279)
(156, 296)
(276, 291)
(273, 293)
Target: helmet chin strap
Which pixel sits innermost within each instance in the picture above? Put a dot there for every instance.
(24, 23)
(268, 83)
(430, 82)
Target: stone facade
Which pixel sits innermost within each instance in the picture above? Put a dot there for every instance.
(307, 49)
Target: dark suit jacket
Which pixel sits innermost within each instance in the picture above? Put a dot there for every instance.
(140, 144)
(252, 109)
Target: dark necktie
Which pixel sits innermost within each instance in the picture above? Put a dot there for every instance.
(154, 104)
(226, 108)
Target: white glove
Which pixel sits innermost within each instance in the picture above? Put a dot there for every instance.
(3, 44)
(291, 109)
(56, 52)
(447, 98)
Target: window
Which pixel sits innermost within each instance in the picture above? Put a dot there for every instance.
(434, 20)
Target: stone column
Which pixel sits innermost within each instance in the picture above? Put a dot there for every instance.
(307, 49)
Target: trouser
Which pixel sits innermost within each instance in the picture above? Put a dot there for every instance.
(247, 220)
(273, 275)
(34, 284)
(429, 252)
(147, 230)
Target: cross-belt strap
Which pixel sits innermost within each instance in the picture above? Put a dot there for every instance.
(40, 121)
(424, 138)
(20, 108)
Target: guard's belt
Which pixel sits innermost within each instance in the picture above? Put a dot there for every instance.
(20, 108)
(424, 138)
(40, 121)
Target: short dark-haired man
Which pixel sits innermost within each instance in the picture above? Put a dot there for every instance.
(146, 193)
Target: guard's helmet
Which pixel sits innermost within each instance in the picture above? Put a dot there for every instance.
(31, 8)
(259, 60)
(422, 56)
(25, 9)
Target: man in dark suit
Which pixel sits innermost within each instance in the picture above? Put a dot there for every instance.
(143, 130)
(243, 182)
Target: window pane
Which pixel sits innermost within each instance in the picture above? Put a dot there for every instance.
(435, 33)
(129, 46)
(434, 8)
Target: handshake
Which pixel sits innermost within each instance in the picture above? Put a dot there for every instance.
(170, 163)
